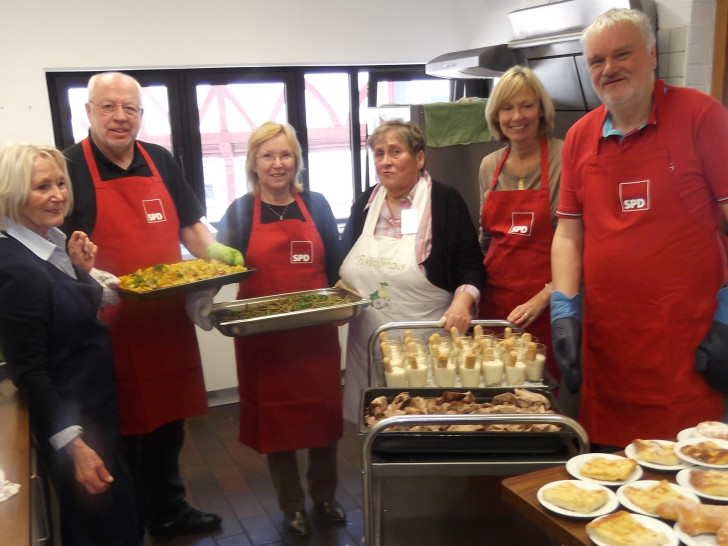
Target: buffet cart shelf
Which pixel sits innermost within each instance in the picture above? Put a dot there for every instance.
(378, 464)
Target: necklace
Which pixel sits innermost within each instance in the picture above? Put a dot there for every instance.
(274, 211)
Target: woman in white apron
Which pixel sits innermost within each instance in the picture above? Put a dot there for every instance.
(413, 251)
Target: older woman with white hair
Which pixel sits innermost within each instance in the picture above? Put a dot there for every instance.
(58, 350)
(412, 250)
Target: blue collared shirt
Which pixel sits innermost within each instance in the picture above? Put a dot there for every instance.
(51, 248)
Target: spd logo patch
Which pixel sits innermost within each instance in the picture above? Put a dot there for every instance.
(634, 196)
(154, 210)
(301, 252)
(521, 223)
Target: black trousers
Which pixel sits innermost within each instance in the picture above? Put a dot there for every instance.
(153, 460)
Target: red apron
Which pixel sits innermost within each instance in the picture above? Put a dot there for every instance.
(158, 368)
(289, 382)
(518, 261)
(650, 271)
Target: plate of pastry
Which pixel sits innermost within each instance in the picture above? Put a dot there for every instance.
(701, 451)
(705, 539)
(707, 483)
(706, 429)
(686, 434)
(616, 527)
(696, 523)
(655, 454)
(604, 468)
(577, 498)
(643, 496)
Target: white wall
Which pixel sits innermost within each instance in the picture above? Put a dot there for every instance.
(685, 42)
(41, 35)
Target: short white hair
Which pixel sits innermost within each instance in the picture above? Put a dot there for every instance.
(615, 16)
(94, 80)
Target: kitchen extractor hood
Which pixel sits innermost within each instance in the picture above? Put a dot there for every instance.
(547, 39)
(484, 62)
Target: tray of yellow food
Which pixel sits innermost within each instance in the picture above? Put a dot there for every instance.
(287, 311)
(165, 280)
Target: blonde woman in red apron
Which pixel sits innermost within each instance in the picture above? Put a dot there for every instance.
(290, 381)
(520, 185)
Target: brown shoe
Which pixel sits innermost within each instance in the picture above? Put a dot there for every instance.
(331, 510)
(297, 523)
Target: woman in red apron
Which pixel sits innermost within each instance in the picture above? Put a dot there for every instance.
(520, 185)
(290, 381)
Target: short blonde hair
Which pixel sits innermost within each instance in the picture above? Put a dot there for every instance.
(262, 134)
(615, 16)
(17, 160)
(513, 81)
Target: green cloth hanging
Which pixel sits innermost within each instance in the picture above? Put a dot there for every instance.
(452, 123)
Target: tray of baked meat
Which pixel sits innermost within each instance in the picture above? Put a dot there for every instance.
(287, 311)
(515, 438)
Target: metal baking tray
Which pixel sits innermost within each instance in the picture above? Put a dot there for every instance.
(284, 321)
(470, 442)
(185, 288)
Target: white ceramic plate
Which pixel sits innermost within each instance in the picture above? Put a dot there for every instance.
(651, 523)
(707, 539)
(573, 467)
(630, 452)
(644, 484)
(686, 434)
(723, 444)
(609, 506)
(683, 480)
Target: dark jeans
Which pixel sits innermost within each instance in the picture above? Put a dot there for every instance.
(153, 460)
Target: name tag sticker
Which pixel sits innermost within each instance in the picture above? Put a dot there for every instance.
(409, 221)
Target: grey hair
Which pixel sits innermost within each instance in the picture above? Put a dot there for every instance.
(619, 15)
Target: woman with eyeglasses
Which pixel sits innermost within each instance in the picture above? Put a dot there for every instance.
(289, 382)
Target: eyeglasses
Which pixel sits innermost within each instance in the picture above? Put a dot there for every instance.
(107, 109)
(270, 158)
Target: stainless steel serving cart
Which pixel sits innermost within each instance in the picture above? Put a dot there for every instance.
(389, 454)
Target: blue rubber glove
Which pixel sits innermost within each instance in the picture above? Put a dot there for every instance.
(566, 337)
(711, 357)
(218, 251)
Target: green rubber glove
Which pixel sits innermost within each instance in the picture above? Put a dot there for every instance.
(218, 251)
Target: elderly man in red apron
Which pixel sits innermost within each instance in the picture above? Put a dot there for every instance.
(643, 184)
(135, 201)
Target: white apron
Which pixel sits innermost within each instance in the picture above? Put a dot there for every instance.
(385, 270)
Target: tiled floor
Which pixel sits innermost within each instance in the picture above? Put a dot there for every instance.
(228, 478)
